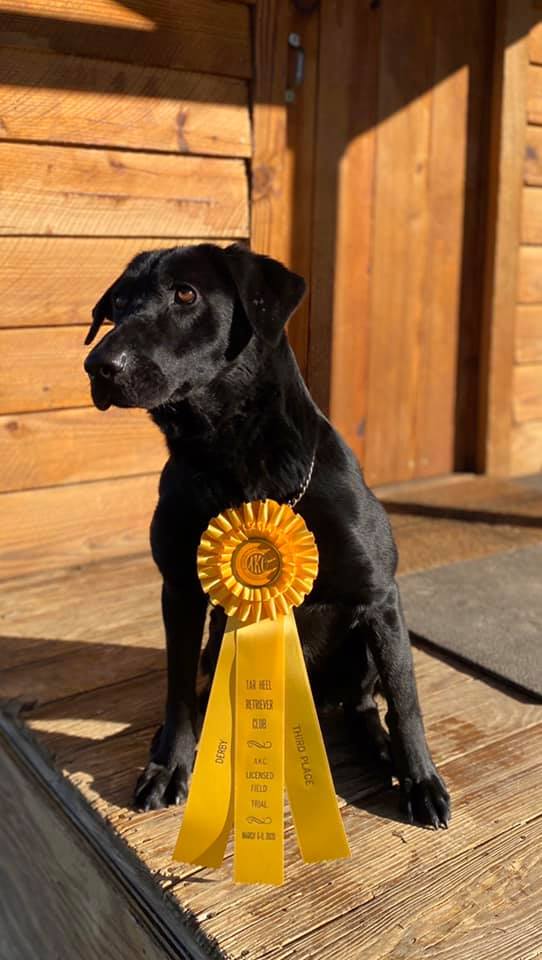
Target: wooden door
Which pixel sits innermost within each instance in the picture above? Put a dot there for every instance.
(396, 225)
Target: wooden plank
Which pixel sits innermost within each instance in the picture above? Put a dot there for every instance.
(298, 184)
(423, 541)
(394, 853)
(69, 274)
(78, 100)
(65, 728)
(483, 903)
(527, 392)
(63, 875)
(533, 156)
(508, 130)
(531, 215)
(468, 497)
(467, 519)
(127, 612)
(343, 216)
(526, 448)
(528, 339)
(72, 190)
(431, 445)
(70, 446)
(61, 526)
(470, 247)
(402, 226)
(454, 723)
(269, 226)
(113, 762)
(535, 43)
(117, 768)
(443, 433)
(530, 275)
(534, 94)
(200, 35)
(282, 166)
(42, 369)
(96, 716)
(89, 668)
(435, 101)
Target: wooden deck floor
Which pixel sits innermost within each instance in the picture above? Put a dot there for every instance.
(83, 649)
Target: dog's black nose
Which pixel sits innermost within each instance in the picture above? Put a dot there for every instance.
(106, 367)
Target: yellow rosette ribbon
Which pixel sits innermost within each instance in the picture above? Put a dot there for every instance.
(261, 730)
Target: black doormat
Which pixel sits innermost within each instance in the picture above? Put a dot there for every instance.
(487, 612)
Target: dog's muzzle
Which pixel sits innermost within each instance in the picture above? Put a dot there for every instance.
(104, 373)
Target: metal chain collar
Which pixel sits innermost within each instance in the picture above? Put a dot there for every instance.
(301, 493)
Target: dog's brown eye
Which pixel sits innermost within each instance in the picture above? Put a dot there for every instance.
(185, 294)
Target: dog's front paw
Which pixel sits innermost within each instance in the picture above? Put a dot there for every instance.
(426, 800)
(164, 781)
(159, 786)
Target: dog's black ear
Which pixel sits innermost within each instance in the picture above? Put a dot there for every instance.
(100, 313)
(269, 292)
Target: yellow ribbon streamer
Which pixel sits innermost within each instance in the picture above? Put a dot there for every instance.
(209, 808)
(259, 754)
(318, 823)
(261, 729)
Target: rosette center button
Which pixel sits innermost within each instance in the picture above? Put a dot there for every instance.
(256, 562)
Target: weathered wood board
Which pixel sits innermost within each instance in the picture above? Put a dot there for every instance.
(67, 446)
(43, 369)
(202, 35)
(76, 523)
(526, 455)
(75, 191)
(527, 392)
(61, 895)
(69, 274)
(77, 100)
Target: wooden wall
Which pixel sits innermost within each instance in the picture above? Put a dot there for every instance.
(511, 349)
(126, 126)
(119, 131)
(526, 442)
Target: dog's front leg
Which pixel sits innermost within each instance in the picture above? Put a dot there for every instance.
(423, 794)
(165, 778)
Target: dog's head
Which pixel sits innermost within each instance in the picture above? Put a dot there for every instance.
(180, 317)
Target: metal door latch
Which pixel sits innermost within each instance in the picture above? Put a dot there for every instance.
(294, 43)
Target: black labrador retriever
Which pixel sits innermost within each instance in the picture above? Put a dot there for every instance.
(198, 340)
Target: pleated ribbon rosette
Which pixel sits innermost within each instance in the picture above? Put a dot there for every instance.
(261, 730)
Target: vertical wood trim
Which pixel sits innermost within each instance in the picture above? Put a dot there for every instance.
(268, 231)
(507, 145)
(399, 287)
(343, 215)
(283, 148)
(301, 139)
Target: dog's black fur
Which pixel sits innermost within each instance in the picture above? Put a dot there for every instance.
(219, 378)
